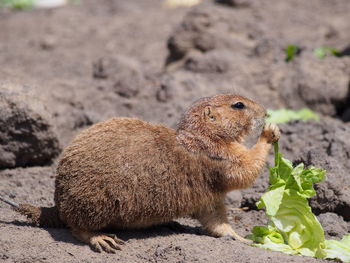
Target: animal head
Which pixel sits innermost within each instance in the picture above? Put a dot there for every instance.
(223, 117)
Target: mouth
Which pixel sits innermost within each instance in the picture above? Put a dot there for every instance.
(255, 128)
(258, 124)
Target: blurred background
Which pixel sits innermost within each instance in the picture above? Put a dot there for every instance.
(65, 65)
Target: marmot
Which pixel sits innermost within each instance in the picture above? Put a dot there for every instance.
(126, 173)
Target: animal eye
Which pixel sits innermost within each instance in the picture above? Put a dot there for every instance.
(238, 105)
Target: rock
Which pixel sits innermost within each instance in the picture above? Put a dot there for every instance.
(320, 84)
(333, 225)
(48, 42)
(165, 91)
(100, 69)
(26, 136)
(80, 117)
(209, 27)
(123, 75)
(210, 62)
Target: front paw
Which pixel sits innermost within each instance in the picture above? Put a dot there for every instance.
(271, 133)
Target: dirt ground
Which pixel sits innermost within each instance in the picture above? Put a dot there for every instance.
(62, 70)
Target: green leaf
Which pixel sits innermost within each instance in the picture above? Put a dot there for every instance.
(17, 4)
(285, 115)
(260, 233)
(268, 244)
(291, 51)
(323, 51)
(307, 179)
(292, 227)
(301, 227)
(272, 200)
(339, 249)
(285, 168)
(320, 52)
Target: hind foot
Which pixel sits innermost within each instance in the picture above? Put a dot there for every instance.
(216, 223)
(99, 241)
(225, 230)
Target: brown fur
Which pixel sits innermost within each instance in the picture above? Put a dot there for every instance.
(126, 173)
(41, 216)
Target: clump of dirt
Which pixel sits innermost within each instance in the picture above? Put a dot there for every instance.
(333, 225)
(322, 85)
(92, 61)
(123, 75)
(26, 136)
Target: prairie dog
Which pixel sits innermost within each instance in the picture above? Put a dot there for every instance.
(125, 173)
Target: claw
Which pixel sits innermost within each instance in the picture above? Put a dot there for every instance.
(96, 247)
(106, 246)
(100, 242)
(117, 240)
(271, 133)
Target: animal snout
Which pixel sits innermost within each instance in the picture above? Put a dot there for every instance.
(259, 122)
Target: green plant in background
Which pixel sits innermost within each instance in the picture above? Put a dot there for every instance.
(323, 51)
(285, 115)
(27, 4)
(17, 4)
(291, 51)
(292, 227)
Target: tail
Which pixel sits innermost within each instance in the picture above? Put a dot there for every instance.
(40, 216)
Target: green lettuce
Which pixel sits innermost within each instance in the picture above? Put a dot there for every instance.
(292, 227)
(17, 4)
(323, 51)
(285, 115)
(339, 249)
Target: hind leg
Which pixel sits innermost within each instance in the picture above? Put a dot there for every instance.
(99, 241)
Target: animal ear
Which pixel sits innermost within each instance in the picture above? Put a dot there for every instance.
(209, 114)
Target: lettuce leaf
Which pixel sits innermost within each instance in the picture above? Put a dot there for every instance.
(292, 227)
(285, 115)
(17, 4)
(339, 249)
(323, 51)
